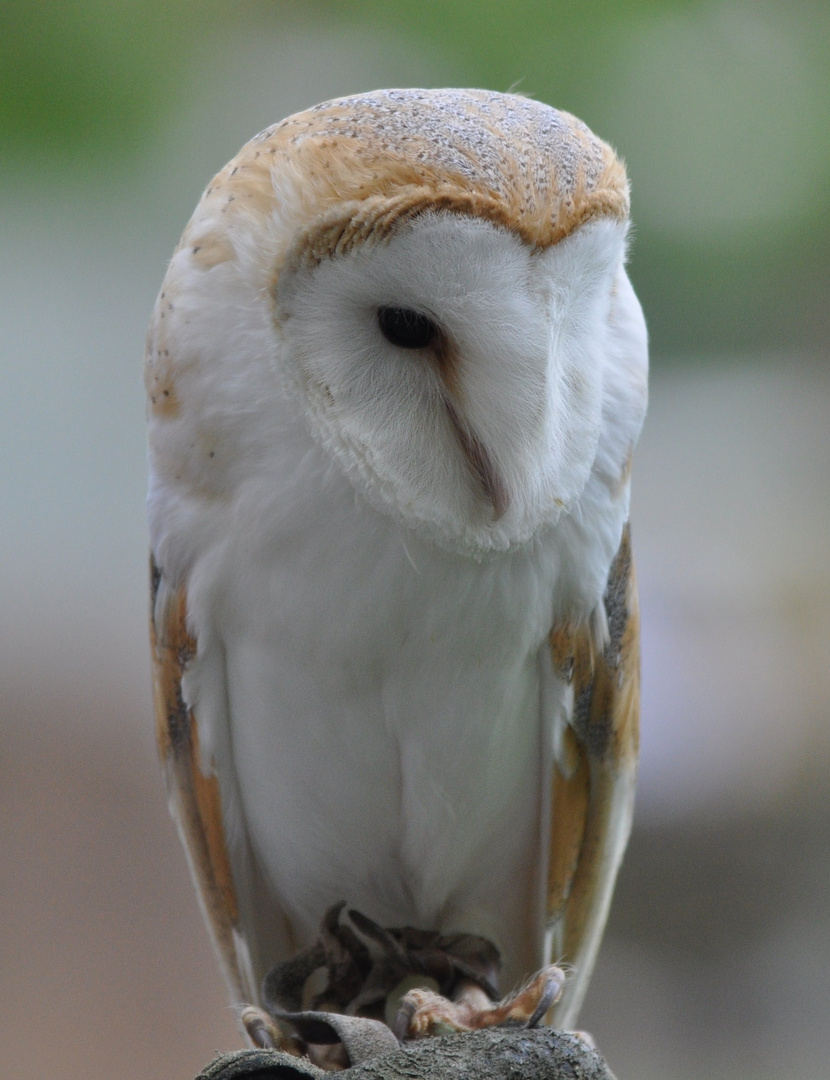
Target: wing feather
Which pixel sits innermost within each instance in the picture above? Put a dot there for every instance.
(594, 777)
(194, 797)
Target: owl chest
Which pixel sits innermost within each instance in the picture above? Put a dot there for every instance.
(389, 662)
(384, 712)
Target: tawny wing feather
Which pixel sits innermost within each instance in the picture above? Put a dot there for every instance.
(593, 779)
(194, 798)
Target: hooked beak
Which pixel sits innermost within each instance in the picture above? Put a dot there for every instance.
(480, 464)
(479, 461)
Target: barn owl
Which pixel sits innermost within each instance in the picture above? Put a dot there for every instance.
(395, 376)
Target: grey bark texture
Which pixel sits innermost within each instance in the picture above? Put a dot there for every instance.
(492, 1054)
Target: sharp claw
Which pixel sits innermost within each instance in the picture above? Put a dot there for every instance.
(553, 988)
(260, 1028)
(378, 934)
(406, 1011)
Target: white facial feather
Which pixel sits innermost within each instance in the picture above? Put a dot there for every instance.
(376, 541)
(527, 331)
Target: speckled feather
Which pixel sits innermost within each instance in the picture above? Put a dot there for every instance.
(543, 170)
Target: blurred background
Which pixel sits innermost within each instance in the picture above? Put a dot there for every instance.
(114, 114)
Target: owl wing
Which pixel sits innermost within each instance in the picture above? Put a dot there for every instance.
(594, 774)
(194, 797)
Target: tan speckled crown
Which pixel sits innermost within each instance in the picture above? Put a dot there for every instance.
(371, 161)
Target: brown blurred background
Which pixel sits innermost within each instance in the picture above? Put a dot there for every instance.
(114, 116)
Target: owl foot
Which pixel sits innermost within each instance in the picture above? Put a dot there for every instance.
(364, 963)
(424, 1013)
(263, 1032)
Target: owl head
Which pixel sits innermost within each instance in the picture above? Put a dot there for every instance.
(434, 282)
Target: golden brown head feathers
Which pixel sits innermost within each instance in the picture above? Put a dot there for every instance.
(371, 162)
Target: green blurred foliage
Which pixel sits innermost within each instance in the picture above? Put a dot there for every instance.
(544, 49)
(720, 108)
(81, 79)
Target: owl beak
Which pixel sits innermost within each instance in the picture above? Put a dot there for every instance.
(481, 466)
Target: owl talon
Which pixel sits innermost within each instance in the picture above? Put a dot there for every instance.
(403, 1020)
(365, 962)
(552, 980)
(261, 1029)
(424, 1013)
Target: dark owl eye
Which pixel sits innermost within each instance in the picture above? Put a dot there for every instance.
(406, 328)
